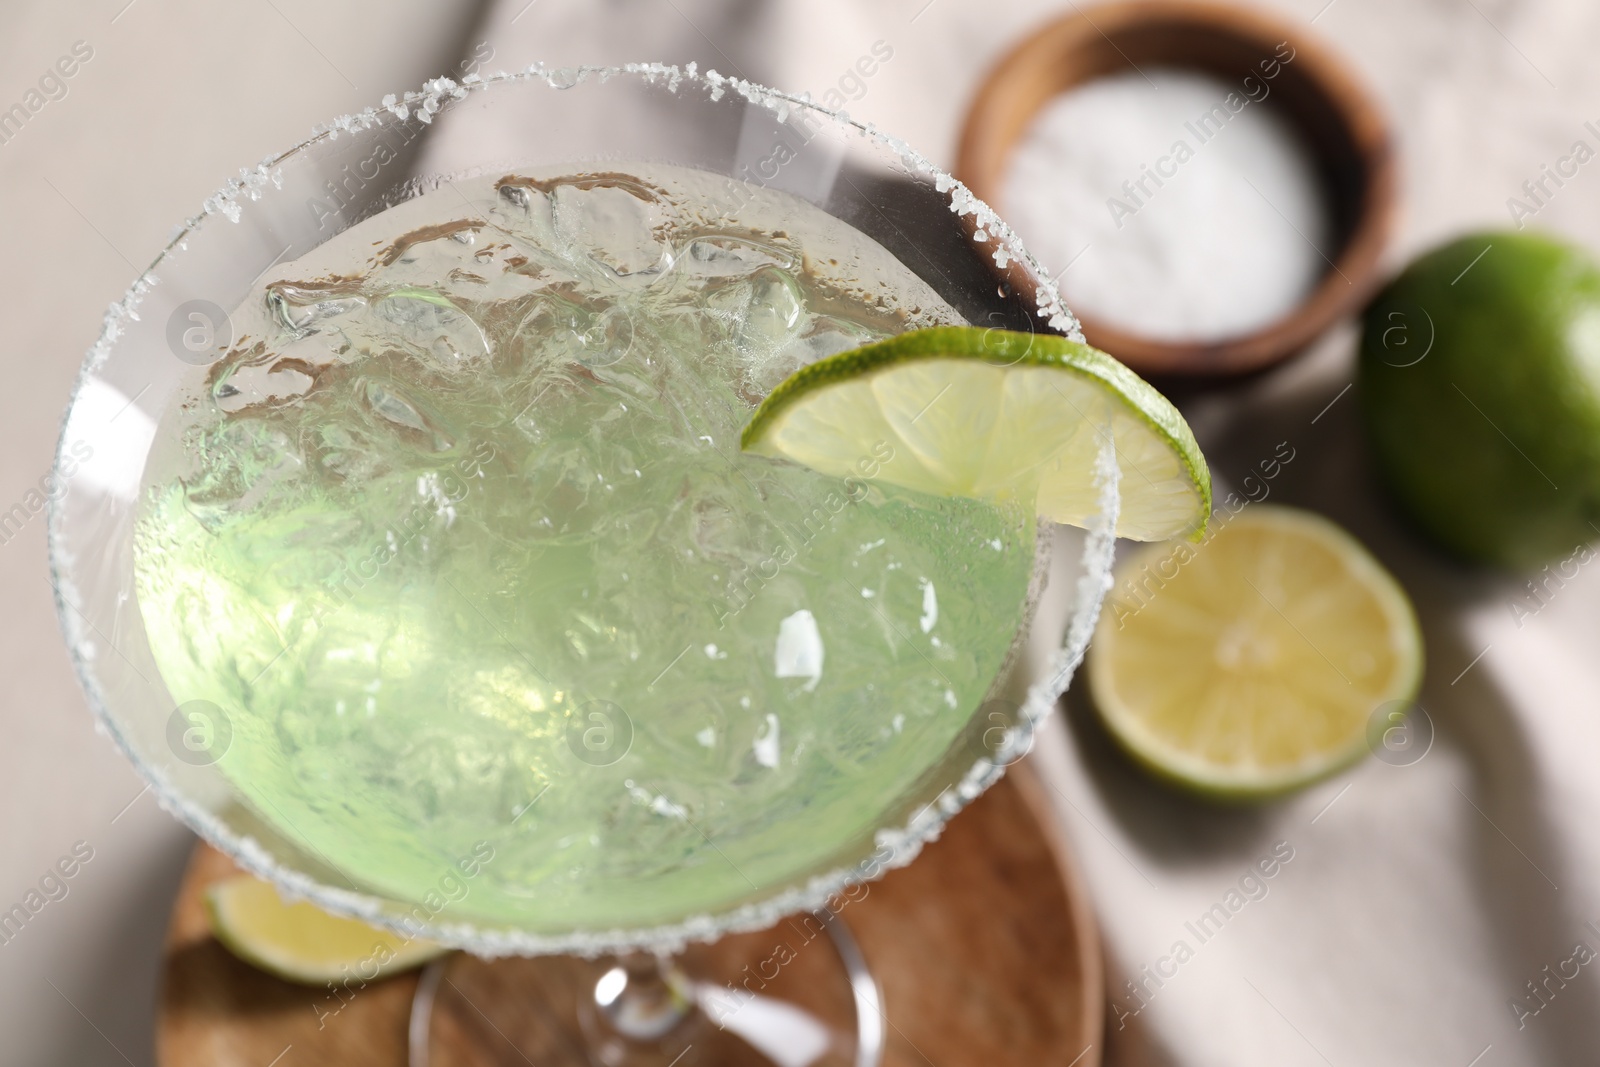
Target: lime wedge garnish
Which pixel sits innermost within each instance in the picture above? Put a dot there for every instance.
(302, 943)
(992, 415)
(1253, 663)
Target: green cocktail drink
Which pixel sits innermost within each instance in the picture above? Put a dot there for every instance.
(459, 539)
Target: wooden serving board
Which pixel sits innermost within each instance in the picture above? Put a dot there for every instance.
(984, 947)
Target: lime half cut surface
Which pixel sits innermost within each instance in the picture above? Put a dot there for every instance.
(1253, 663)
(996, 416)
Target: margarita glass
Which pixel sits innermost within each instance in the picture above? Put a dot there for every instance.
(406, 548)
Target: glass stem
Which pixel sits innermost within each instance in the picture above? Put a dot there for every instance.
(643, 997)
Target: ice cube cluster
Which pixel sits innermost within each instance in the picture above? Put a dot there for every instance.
(460, 532)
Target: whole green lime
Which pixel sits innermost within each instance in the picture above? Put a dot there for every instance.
(1480, 387)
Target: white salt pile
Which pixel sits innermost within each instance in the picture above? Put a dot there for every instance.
(1176, 206)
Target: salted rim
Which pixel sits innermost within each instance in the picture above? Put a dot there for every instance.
(901, 845)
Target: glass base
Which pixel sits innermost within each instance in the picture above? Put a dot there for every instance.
(796, 995)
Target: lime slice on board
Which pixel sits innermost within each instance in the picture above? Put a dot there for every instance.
(1251, 664)
(992, 415)
(302, 943)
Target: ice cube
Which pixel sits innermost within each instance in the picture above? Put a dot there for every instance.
(350, 454)
(306, 309)
(560, 331)
(557, 483)
(250, 384)
(530, 427)
(517, 196)
(610, 339)
(612, 224)
(765, 318)
(428, 325)
(723, 256)
(522, 209)
(250, 456)
(828, 336)
(388, 404)
(393, 407)
(317, 350)
(717, 530)
(774, 315)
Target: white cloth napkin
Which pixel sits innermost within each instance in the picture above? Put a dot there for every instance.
(1397, 914)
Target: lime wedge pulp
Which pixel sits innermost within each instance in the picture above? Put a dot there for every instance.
(996, 416)
(302, 943)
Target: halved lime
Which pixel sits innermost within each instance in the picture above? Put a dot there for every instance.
(993, 415)
(302, 943)
(1252, 663)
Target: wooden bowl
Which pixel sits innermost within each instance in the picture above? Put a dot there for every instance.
(1341, 126)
